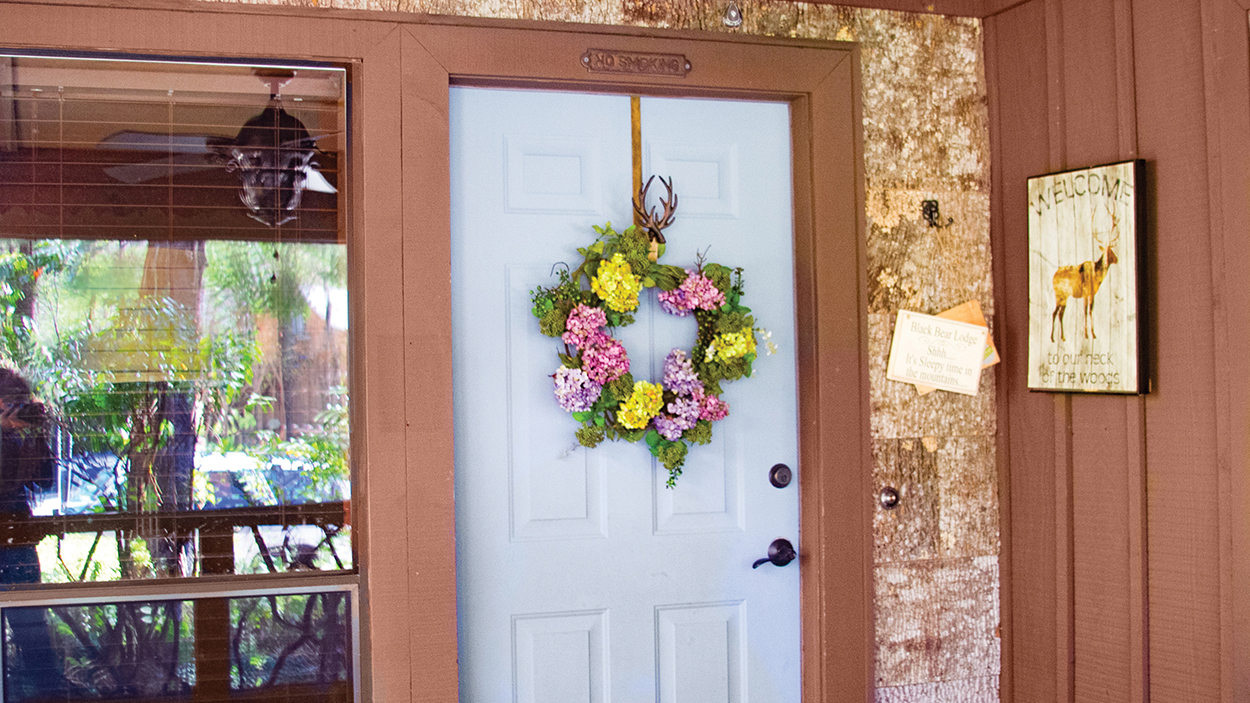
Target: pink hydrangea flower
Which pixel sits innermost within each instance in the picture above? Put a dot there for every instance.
(605, 361)
(583, 325)
(696, 292)
(711, 408)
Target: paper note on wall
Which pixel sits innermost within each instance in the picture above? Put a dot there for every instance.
(938, 352)
(969, 312)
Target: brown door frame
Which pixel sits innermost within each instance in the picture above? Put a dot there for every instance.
(399, 189)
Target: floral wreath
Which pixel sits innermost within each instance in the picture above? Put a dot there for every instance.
(593, 382)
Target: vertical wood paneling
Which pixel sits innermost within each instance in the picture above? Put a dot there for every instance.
(1017, 79)
(1102, 464)
(1100, 548)
(1159, 483)
(1061, 421)
(1180, 420)
(1226, 60)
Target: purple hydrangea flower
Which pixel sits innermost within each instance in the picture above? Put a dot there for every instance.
(679, 376)
(668, 427)
(574, 390)
(685, 412)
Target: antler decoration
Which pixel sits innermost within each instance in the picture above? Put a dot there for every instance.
(649, 221)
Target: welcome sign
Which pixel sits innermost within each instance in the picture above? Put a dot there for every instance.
(1084, 278)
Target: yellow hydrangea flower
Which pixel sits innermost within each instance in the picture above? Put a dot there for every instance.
(733, 345)
(642, 405)
(616, 284)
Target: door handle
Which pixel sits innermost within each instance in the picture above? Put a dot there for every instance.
(780, 553)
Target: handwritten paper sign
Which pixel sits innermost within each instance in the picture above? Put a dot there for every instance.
(937, 352)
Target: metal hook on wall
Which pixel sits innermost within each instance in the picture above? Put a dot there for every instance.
(929, 209)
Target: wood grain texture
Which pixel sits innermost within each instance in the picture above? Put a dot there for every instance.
(1102, 473)
(1226, 59)
(383, 544)
(427, 368)
(1157, 483)
(840, 371)
(1183, 479)
(1018, 85)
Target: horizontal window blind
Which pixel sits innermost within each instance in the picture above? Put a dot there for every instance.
(100, 150)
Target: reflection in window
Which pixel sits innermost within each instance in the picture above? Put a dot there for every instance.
(173, 321)
(273, 647)
(175, 380)
(173, 376)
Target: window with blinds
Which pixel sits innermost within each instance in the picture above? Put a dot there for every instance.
(174, 373)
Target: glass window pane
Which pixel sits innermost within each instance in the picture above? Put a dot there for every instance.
(173, 321)
(271, 647)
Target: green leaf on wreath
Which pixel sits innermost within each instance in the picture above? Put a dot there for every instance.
(631, 435)
(668, 277)
(622, 387)
(599, 420)
(701, 433)
(590, 436)
(582, 416)
(653, 438)
(720, 276)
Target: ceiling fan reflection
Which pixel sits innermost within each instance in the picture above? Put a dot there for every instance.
(273, 156)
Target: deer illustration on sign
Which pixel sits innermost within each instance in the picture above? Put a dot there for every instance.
(1082, 281)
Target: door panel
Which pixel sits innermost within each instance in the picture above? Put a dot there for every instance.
(580, 576)
(555, 492)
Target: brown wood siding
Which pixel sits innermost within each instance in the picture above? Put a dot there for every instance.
(1126, 532)
(1016, 72)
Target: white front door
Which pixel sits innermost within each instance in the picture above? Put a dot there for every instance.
(580, 576)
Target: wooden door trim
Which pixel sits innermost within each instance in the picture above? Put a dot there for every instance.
(820, 81)
(398, 187)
